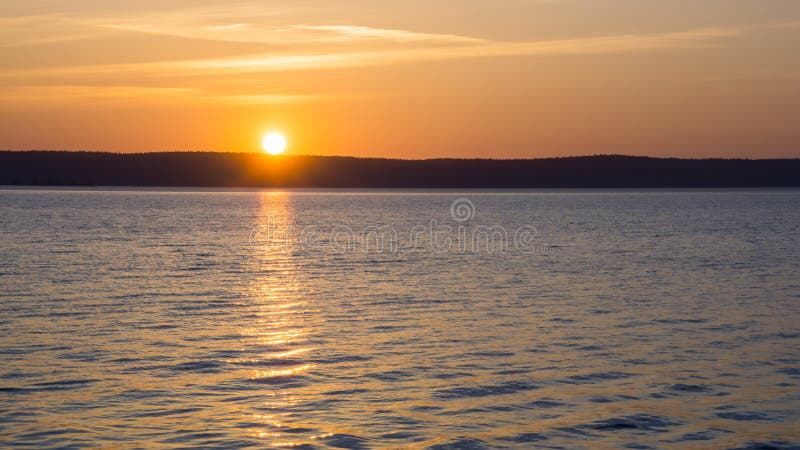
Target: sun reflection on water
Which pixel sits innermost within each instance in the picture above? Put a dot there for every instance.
(287, 353)
(279, 332)
(282, 372)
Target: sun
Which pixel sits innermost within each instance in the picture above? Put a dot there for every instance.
(274, 143)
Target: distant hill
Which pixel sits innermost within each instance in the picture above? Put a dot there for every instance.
(210, 169)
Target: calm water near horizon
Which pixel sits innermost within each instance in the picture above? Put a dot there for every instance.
(359, 319)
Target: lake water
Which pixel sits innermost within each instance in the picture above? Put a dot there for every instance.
(354, 319)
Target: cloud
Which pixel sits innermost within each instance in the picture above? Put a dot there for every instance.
(238, 27)
(290, 61)
(64, 94)
(68, 93)
(233, 26)
(42, 29)
(271, 99)
(361, 32)
(582, 46)
(153, 79)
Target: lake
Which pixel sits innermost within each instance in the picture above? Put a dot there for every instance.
(413, 319)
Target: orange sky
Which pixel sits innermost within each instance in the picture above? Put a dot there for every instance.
(411, 79)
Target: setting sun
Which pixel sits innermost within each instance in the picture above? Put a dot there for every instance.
(274, 143)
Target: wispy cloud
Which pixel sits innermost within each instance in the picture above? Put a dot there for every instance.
(55, 94)
(261, 30)
(43, 29)
(158, 78)
(65, 93)
(361, 32)
(289, 61)
(584, 46)
(272, 99)
(229, 27)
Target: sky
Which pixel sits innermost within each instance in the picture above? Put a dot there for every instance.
(404, 79)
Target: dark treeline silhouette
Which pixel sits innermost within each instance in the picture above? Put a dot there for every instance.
(210, 169)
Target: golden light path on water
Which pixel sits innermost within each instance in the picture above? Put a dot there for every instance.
(280, 327)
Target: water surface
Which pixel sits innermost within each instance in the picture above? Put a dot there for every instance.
(151, 318)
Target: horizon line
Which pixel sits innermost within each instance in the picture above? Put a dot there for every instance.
(306, 155)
